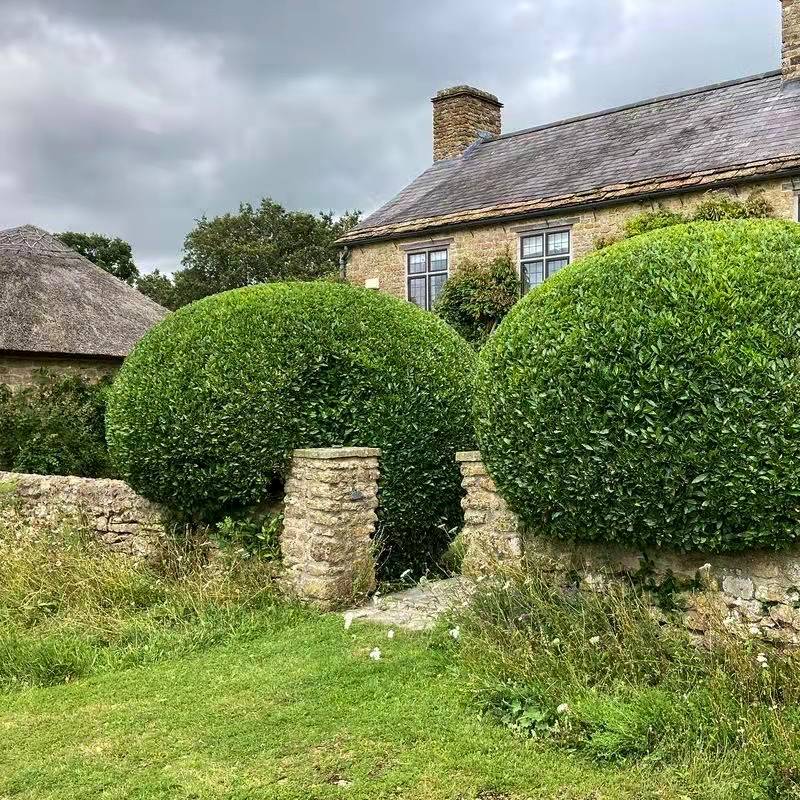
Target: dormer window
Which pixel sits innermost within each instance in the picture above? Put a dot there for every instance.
(542, 255)
(426, 275)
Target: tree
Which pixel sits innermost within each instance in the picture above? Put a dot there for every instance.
(112, 255)
(258, 245)
(159, 288)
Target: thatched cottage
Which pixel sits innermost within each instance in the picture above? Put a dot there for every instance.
(60, 312)
(549, 194)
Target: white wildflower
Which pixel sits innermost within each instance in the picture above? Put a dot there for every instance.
(455, 632)
(375, 655)
(594, 640)
(506, 586)
(390, 634)
(348, 620)
(563, 709)
(762, 659)
(556, 642)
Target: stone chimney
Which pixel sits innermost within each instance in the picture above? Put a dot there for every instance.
(460, 114)
(790, 64)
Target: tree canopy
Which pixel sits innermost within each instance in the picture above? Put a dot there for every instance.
(256, 244)
(112, 255)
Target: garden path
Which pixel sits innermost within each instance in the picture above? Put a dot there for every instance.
(415, 609)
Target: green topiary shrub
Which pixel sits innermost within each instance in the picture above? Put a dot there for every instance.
(207, 409)
(56, 427)
(650, 394)
(478, 295)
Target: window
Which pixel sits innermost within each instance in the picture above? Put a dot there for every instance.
(427, 274)
(542, 255)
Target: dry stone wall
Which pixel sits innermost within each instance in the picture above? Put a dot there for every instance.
(121, 519)
(755, 594)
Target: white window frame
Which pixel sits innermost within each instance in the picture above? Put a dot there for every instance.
(544, 232)
(428, 273)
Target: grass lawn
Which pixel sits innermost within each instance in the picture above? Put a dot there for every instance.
(301, 712)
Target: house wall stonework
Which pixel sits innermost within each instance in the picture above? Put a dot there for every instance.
(385, 261)
(790, 62)
(20, 371)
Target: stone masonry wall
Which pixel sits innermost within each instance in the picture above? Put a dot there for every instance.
(491, 533)
(121, 519)
(329, 518)
(790, 64)
(459, 114)
(754, 594)
(386, 261)
(19, 371)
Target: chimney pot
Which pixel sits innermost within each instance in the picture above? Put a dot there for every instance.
(461, 115)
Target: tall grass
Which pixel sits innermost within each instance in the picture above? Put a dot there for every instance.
(69, 607)
(602, 674)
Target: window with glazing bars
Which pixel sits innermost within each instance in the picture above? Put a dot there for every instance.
(542, 255)
(427, 274)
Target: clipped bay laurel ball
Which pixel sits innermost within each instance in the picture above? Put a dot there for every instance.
(208, 408)
(649, 395)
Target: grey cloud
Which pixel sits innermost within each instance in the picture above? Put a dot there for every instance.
(133, 117)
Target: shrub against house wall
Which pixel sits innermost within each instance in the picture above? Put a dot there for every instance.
(386, 260)
(55, 427)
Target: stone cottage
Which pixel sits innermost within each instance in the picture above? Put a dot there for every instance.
(549, 193)
(60, 312)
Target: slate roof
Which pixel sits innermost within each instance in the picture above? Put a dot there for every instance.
(53, 300)
(706, 137)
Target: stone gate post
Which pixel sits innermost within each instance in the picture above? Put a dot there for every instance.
(331, 496)
(491, 530)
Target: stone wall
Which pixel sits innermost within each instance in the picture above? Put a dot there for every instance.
(790, 63)
(386, 261)
(110, 509)
(754, 594)
(329, 519)
(19, 371)
(330, 502)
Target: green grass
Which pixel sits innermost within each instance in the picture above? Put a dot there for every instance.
(291, 714)
(194, 680)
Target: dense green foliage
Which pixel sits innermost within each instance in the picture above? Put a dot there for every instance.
(56, 427)
(112, 255)
(478, 295)
(650, 394)
(207, 409)
(255, 245)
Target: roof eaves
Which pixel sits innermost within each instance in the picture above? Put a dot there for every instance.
(601, 196)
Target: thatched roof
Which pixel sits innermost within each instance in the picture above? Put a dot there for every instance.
(53, 300)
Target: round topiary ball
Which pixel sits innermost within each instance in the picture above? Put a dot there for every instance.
(650, 394)
(208, 408)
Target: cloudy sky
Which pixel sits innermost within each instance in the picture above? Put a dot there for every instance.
(134, 117)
